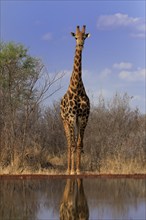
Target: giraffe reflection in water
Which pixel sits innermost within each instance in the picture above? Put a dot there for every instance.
(74, 203)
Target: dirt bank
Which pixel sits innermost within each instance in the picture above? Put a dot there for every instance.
(63, 176)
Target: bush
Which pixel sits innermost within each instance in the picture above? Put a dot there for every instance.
(115, 131)
(29, 133)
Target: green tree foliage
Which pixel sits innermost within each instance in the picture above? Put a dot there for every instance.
(24, 83)
(18, 73)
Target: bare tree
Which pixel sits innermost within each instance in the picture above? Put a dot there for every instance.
(24, 84)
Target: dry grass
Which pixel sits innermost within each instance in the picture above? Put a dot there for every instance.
(120, 166)
(57, 165)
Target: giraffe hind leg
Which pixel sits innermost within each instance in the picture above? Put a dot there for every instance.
(81, 125)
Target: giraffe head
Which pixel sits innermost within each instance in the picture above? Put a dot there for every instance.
(80, 36)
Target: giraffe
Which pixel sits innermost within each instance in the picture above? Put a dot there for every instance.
(75, 106)
(74, 204)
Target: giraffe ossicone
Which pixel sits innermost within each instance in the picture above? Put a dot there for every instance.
(75, 106)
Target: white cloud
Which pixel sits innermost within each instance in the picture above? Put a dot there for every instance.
(47, 36)
(137, 98)
(137, 35)
(125, 71)
(105, 73)
(122, 65)
(104, 93)
(133, 75)
(116, 20)
(119, 20)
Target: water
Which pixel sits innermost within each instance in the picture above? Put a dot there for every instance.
(51, 199)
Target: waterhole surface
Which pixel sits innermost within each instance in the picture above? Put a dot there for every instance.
(75, 198)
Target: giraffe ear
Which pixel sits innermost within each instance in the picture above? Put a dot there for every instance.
(73, 34)
(87, 35)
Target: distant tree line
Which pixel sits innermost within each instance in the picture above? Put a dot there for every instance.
(30, 132)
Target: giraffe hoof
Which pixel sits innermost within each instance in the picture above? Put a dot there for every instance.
(72, 172)
(78, 172)
(68, 172)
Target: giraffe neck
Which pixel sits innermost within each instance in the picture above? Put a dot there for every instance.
(76, 77)
(77, 68)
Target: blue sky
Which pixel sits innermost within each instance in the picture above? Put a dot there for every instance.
(113, 57)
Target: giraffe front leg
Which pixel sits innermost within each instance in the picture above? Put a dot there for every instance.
(73, 145)
(67, 133)
(72, 160)
(81, 128)
(69, 160)
(79, 147)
